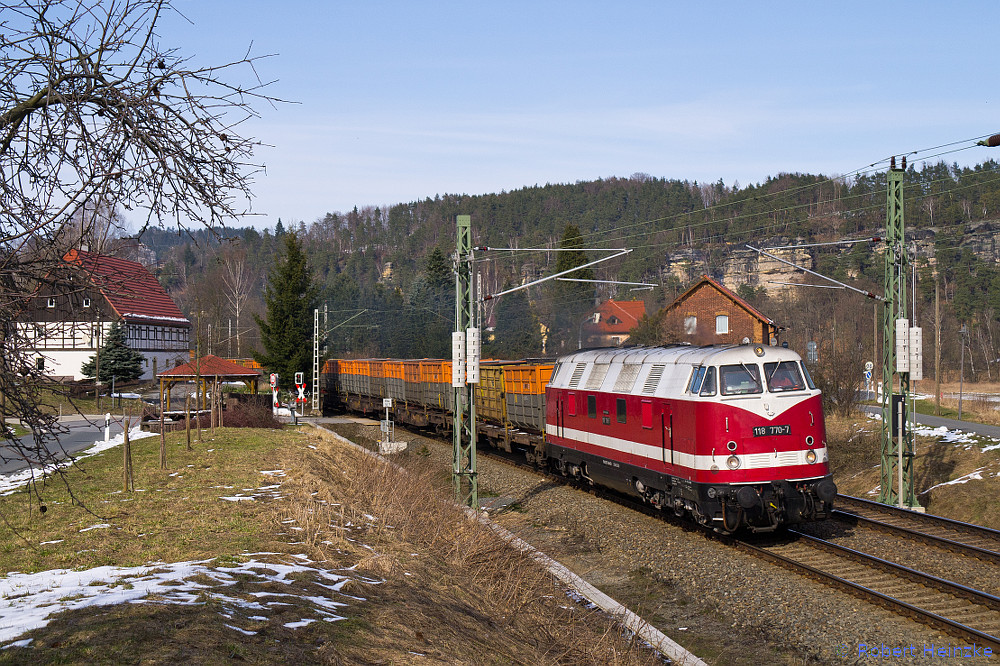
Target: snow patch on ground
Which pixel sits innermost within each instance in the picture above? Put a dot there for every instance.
(975, 475)
(27, 601)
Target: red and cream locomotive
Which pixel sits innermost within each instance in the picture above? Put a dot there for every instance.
(732, 435)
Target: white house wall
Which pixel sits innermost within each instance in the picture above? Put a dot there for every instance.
(66, 346)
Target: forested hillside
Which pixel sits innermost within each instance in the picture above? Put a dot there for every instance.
(385, 274)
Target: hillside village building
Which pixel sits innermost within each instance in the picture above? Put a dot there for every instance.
(608, 324)
(708, 313)
(69, 321)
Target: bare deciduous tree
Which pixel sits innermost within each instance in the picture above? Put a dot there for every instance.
(239, 284)
(97, 115)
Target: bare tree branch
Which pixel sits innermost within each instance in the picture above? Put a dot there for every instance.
(97, 117)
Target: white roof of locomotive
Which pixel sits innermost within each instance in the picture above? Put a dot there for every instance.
(653, 371)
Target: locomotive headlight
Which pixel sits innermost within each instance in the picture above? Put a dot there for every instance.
(810, 457)
(733, 462)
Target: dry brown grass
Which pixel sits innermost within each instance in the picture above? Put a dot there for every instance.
(496, 605)
(437, 587)
(855, 458)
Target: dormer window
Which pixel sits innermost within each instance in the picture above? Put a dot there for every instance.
(52, 302)
(614, 320)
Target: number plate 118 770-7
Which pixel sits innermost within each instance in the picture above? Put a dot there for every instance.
(771, 430)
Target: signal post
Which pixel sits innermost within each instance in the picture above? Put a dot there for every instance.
(464, 369)
(902, 357)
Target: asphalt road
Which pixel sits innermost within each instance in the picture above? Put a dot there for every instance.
(950, 424)
(81, 435)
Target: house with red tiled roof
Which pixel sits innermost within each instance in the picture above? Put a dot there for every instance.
(608, 324)
(709, 313)
(69, 317)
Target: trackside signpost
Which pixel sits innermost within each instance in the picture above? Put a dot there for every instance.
(274, 393)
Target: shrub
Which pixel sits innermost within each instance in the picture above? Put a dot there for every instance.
(250, 416)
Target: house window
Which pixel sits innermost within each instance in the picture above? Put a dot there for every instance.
(616, 340)
(52, 301)
(40, 364)
(722, 324)
(614, 320)
(86, 302)
(690, 324)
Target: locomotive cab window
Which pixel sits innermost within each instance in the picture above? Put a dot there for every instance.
(592, 406)
(708, 385)
(740, 379)
(783, 376)
(697, 375)
(809, 379)
(621, 410)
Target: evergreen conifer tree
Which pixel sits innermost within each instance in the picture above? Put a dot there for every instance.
(290, 298)
(517, 334)
(572, 300)
(117, 359)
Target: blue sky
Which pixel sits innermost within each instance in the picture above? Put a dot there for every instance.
(398, 101)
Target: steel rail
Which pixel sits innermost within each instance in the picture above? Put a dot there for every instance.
(922, 615)
(970, 529)
(948, 544)
(898, 606)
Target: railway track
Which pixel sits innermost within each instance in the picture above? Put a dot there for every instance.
(964, 538)
(955, 609)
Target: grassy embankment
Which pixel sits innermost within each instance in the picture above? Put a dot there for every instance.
(974, 461)
(431, 584)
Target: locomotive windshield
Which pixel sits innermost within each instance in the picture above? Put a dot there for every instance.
(783, 376)
(740, 379)
(708, 386)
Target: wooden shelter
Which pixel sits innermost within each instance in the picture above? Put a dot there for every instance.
(207, 370)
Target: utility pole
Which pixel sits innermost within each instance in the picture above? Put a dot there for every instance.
(896, 485)
(315, 389)
(464, 369)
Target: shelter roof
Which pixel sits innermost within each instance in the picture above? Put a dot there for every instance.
(210, 366)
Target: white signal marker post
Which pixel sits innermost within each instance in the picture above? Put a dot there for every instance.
(275, 403)
(300, 397)
(916, 350)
